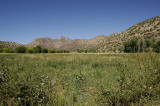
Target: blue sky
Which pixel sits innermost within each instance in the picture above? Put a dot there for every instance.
(23, 21)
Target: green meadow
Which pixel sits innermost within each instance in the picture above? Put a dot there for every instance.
(79, 79)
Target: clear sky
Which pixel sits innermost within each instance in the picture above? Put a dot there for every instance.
(23, 21)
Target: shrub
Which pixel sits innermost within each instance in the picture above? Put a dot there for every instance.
(37, 49)
(1, 50)
(157, 47)
(20, 49)
(93, 50)
(80, 50)
(121, 49)
(52, 51)
(11, 51)
(44, 50)
(5, 50)
(149, 43)
(30, 50)
(59, 51)
(66, 51)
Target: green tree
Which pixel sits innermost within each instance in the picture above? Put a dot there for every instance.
(52, 51)
(93, 50)
(30, 50)
(80, 50)
(157, 47)
(20, 49)
(11, 51)
(149, 43)
(5, 50)
(66, 51)
(59, 51)
(37, 49)
(131, 46)
(141, 46)
(1, 50)
(44, 50)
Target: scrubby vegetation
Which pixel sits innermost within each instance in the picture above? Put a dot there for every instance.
(37, 49)
(86, 51)
(20, 49)
(80, 79)
(11, 45)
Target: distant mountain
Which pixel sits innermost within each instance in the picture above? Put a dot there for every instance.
(147, 29)
(6, 44)
(50, 43)
(83, 43)
(64, 43)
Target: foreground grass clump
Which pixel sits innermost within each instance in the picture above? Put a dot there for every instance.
(79, 79)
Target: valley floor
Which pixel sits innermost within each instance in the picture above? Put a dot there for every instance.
(80, 79)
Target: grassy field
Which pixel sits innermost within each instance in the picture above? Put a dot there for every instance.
(80, 79)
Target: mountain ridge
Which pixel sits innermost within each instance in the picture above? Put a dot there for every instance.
(62, 42)
(149, 28)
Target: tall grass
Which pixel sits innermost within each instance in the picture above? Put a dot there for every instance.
(79, 79)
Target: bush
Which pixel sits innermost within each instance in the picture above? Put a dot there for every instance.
(44, 50)
(20, 49)
(157, 47)
(1, 50)
(121, 49)
(5, 50)
(30, 50)
(52, 51)
(59, 51)
(149, 43)
(11, 51)
(79, 50)
(65, 51)
(37, 49)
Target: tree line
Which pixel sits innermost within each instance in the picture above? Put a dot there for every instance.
(37, 49)
(86, 50)
(141, 45)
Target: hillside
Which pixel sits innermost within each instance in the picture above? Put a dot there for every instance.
(5, 44)
(83, 43)
(50, 43)
(147, 29)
